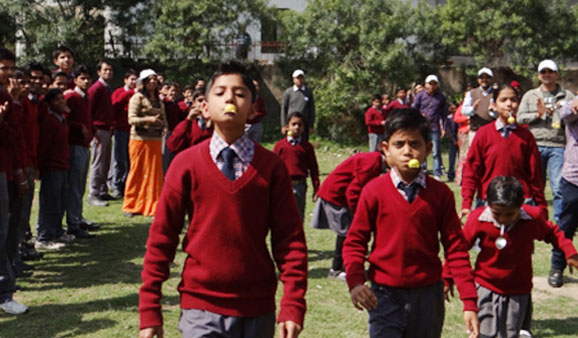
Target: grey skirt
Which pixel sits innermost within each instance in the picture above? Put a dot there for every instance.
(327, 215)
(500, 315)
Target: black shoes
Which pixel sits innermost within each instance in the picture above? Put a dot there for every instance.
(555, 278)
(89, 225)
(79, 233)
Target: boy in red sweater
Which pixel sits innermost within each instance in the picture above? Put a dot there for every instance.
(503, 148)
(405, 211)
(506, 230)
(53, 152)
(229, 281)
(299, 157)
(338, 198)
(374, 121)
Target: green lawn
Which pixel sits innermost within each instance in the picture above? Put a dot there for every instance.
(90, 289)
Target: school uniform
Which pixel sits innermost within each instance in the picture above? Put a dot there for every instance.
(78, 118)
(373, 120)
(503, 150)
(174, 117)
(121, 130)
(228, 270)
(185, 106)
(187, 134)
(299, 157)
(53, 153)
(405, 220)
(338, 196)
(393, 105)
(504, 277)
(99, 95)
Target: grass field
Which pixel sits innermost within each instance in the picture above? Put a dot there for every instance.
(90, 289)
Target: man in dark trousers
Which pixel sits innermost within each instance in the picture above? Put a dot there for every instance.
(299, 98)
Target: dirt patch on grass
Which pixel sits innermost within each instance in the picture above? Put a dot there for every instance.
(544, 291)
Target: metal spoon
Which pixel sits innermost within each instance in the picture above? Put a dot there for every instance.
(501, 241)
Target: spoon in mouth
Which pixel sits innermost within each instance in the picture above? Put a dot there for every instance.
(501, 241)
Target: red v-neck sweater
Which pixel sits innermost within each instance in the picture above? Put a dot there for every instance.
(228, 269)
(187, 134)
(78, 117)
(300, 159)
(491, 155)
(343, 185)
(406, 245)
(509, 271)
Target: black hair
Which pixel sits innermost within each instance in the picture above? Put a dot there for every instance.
(61, 49)
(19, 73)
(51, 94)
(399, 89)
(296, 114)
(501, 87)
(198, 93)
(376, 97)
(145, 92)
(505, 191)
(35, 66)
(406, 119)
(188, 87)
(57, 74)
(102, 62)
(130, 72)
(7, 54)
(81, 69)
(234, 67)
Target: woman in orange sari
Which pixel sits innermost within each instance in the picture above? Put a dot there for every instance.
(146, 115)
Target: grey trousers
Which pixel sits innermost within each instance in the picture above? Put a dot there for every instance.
(204, 324)
(78, 162)
(120, 162)
(6, 270)
(101, 154)
(407, 313)
(300, 193)
(375, 141)
(52, 201)
(254, 131)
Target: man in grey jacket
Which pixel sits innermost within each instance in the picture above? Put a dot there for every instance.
(299, 98)
(540, 110)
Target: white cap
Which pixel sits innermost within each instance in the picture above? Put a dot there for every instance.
(486, 71)
(146, 73)
(298, 73)
(431, 78)
(548, 64)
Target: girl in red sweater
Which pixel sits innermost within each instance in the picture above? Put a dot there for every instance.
(506, 230)
(503, 148)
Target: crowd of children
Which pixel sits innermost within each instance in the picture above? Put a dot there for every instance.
(49, 121)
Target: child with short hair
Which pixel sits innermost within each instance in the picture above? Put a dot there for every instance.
(506, 230)
(63, 58)
(338, 198)
(374, 120)
(299, 157)
(405, 211)
(228, 281)
(503, 148)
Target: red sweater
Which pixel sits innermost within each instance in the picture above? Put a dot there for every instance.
(78, 117)
(373, 119)
(174, 114)
(53, 149)
(299, 159)
(184, 107)
(101, 106)
(259, 108)
(186, 134)
(11, 144)
(228, 269)
(31, 131)
(491, 155)
(509, 271)
(393, 105)
(343, 185)
(119, 100)
(405, 250)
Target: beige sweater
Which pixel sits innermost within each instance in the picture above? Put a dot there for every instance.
(139, 108)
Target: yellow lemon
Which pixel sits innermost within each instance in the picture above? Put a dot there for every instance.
(289, 133)
(413, 163)
(230, 108)
(511, 120)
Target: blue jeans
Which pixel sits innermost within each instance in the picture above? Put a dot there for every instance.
(553, 159)
(121, 163)
(452, 154)
(568, 219)
(436, 153)
(78, 162)
(51, 204)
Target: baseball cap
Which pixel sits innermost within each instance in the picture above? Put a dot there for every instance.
(146, 73)
(298, 73)
(486, 71)
(431, 78)
(548, 64)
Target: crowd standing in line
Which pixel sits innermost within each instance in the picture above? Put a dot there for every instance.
(51, 123)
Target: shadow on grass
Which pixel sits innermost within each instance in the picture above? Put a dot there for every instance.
(66, 320)
(105, 259)
(319, 255)
(318, 273)
(555, 327)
